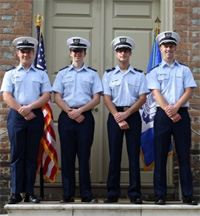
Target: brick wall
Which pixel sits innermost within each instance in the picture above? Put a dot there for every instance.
(15, 20)
(187, 25)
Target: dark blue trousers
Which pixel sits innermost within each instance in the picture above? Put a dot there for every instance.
(25, 139)
(164, 128)
(76, 139)
(115, 136)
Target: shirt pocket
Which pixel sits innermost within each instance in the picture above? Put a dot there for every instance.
(179, 78)
(134, 86)
(36, 84)
(87, 83)
(67, 83)
(163, 76)
(114, 84)
(17, 82)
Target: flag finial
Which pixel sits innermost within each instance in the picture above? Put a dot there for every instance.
(157, 29)
(39, 18)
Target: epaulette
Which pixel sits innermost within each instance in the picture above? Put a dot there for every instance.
(138, 70)
(64, 68)
(92, 69)
(40, 68)
(108, 70)
(155, 67)
(182, 64)
(10, 69)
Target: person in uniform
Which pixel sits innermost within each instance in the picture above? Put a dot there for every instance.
(124, 90)
(171, 84)
(77, 91)
(25, 90)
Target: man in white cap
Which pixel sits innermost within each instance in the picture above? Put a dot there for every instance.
(171, 84)
(124, 89)
(77, 91)
(25, 90)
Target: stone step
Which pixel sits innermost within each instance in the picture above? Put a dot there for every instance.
(123, 207)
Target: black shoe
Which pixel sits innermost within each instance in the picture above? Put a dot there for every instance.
(190, 200)
(160, 200)
(15, 198)
(136, 200)
(31, 198)
(66, 199)
(89, 200)
(110, 199)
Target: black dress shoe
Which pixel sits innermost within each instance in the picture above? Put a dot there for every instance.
(190, 200)
(89, 200)
(110, 199)
(136, 200)
(15, 198)
(66, 199)
(31, 198)
(160, 201)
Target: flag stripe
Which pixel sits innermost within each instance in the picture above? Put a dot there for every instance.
(47, 157)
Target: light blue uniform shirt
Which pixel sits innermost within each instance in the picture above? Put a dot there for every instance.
(77, 87)
(26, 86)
(171, 81)
(124, 88)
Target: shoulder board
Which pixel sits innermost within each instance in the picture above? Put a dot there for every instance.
(111, 69)
(39, 68)
(138, 70)
(92, 69)
(10, 69)
(64, 68)
(182, 64)
(155, 67)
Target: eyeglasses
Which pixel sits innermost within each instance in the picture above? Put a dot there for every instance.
(125, 50)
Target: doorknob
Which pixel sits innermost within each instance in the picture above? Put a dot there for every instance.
(96, 109)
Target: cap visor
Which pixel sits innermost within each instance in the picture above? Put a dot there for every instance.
(77, 49)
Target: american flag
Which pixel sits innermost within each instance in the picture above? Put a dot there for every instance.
(47, 157)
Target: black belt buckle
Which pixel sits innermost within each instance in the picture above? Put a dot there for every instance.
(122, 109)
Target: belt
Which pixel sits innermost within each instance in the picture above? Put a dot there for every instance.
(182, 108)
(122, 109)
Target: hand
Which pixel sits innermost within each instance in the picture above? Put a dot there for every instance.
(176, 118)
(74, 113)
(30, 116)
(80, 118)
(120, 116)
(123, 125)
(24, 110)
(170, 110)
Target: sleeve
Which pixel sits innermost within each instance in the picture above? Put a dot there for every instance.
(189, 81)
(46, 85)
(152, 81)
(58, 85)
(143, 85)
(97, 85)
(7, 84)
(105, 83)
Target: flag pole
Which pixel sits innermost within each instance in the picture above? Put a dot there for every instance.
(38, 23)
